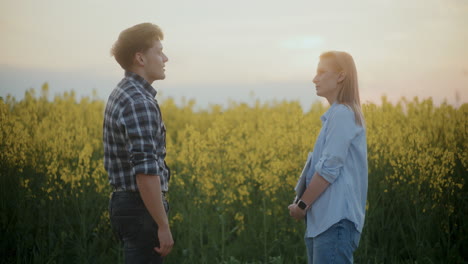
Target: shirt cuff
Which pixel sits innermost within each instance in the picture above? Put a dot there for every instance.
(329, 168)
(146, 165)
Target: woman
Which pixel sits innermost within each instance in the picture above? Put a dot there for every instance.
(334, 201)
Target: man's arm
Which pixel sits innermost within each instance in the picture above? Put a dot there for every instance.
(141, 120)
(150, 191)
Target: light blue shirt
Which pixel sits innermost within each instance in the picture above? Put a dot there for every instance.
(340, 157)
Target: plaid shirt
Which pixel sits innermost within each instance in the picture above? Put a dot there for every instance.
(134, 134)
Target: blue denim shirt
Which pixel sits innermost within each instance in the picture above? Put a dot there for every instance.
(340, 157)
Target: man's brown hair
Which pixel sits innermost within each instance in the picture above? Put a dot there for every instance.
(138, 38)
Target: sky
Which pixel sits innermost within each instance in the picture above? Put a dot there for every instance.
(244, 50)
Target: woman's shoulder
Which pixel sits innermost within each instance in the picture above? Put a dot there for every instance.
(345, 115)
(342, 111)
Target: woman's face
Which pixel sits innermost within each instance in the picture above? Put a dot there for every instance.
(327, 79)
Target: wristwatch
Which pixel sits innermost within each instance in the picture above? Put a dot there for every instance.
(301, 205)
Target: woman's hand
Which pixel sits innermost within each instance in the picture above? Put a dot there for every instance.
(296, 212)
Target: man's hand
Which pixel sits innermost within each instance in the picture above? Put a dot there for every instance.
(296, 212)
(165, 241)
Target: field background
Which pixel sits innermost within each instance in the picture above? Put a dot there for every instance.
(234, 169)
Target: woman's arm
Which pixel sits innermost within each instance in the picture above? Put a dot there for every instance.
(316, 187)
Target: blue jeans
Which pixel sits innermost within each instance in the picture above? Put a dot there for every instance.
(134, 226)
(336, 245)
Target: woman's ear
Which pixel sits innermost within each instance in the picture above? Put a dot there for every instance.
(341, 76)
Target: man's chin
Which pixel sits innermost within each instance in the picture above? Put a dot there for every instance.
(162, 77)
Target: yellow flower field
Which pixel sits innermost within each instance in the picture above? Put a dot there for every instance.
(234, 170)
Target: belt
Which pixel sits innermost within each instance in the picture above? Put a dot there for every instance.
(121, 189)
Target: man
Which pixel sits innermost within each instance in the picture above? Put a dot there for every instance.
(135, 147)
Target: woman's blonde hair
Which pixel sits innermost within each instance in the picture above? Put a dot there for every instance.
(349, 90)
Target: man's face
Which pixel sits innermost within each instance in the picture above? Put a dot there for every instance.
(154, 62)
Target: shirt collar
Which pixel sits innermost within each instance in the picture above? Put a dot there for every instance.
(325, 116)
(142, 81)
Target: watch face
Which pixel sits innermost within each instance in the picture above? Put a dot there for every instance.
(302, 205)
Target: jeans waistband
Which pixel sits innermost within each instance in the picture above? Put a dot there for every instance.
(134, 197)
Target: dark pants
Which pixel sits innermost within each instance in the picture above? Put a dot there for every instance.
(134, 226)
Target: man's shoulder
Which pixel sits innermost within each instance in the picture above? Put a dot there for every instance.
(130, 92)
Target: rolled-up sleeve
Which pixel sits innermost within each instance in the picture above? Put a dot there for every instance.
(341, 129)
(141, 121)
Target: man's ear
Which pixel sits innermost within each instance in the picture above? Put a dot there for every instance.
(341, 76)
(138, 59)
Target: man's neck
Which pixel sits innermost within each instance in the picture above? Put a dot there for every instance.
(141, 73)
